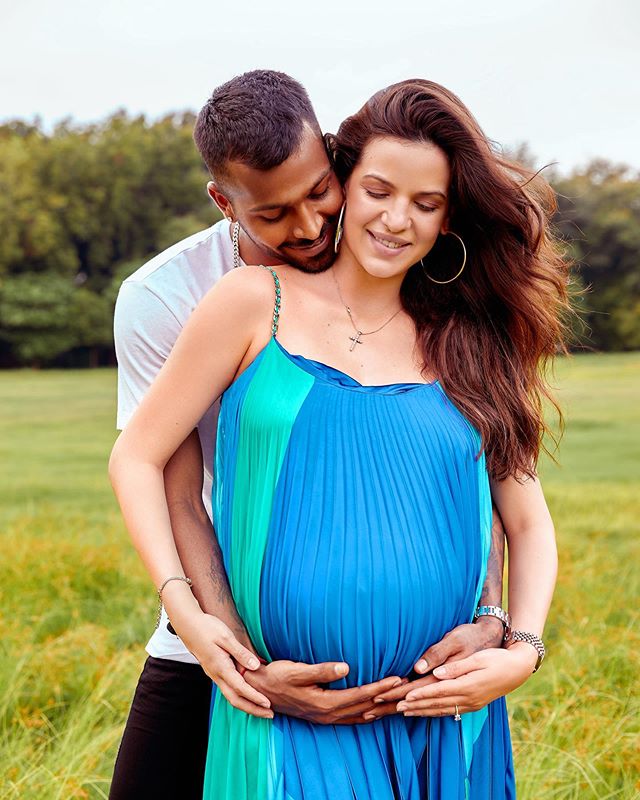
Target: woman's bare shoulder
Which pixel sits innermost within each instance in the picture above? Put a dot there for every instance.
(253, 283)
(247, 290)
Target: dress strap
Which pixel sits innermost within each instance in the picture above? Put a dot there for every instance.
(276, 307)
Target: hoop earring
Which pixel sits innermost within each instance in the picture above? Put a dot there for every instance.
(339, 230)
(459, 272)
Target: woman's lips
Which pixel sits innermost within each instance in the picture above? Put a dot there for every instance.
(393, 246)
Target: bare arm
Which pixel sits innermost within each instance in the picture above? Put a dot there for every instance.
(193, 375)
(203, 362)
(145, 332)
(196, 542)
(533, 556)
(492, 589)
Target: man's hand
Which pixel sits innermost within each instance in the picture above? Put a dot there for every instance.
(458, 644)
(218, 650)
(461, 642)
(296, 689)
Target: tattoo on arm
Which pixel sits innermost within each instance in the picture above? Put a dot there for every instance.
(220, 584)
(492, 589)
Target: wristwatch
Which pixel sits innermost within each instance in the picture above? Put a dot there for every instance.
(533, 640)
(499, 613)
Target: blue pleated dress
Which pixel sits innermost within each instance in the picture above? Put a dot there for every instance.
(355, 526)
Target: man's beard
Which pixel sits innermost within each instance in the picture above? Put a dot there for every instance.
(294, 257)
(315, 264)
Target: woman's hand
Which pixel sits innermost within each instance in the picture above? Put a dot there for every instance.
(470, 683)
(218, 650)
(458, 644)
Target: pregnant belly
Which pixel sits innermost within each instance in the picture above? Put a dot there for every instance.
(370, 597)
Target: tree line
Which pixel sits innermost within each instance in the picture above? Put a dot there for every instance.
(82, 206)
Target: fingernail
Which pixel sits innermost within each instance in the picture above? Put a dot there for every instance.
(341, 669)
(265, 704)
(410, 714)
(402, 706)
(378, 700)
(410, 696)
(440, 672)
(396, 683)
(422, 665)
(369, 716)
(254, 663)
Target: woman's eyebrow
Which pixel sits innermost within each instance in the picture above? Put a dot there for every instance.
(381, 179)
(391, 186)
(436, 192)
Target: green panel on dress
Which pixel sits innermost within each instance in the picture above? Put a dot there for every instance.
(257, 471)
(237, 759)
(240, 747)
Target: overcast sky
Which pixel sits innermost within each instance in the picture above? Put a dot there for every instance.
(563, 76)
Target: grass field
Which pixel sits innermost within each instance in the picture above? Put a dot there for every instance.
(76, 607)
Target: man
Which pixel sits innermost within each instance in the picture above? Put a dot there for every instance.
(273, 181)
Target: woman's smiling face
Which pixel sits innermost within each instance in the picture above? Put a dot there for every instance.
(397, 204)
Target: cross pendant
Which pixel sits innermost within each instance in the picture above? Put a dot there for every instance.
(356, 340)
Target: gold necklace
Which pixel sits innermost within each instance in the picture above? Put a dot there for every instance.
(356, 339)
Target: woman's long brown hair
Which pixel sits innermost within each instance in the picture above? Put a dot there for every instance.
(491, 335)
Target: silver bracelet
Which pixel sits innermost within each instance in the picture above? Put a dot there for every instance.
(188, 581)
(533, 640)
(498, 613)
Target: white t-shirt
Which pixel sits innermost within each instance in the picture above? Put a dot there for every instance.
(152, 307)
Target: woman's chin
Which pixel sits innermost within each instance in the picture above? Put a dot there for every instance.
(381, 269)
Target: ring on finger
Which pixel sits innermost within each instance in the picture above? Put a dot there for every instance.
(457, 716)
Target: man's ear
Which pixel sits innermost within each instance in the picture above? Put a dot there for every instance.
(223, 203)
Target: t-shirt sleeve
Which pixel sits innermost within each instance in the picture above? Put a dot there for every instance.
(145, 331)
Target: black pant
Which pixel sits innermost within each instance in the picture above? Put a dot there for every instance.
(164, 745)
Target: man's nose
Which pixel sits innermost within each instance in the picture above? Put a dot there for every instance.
(308, 224)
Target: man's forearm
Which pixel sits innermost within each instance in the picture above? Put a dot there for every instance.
(195, 539)
(202, 559)
(492, 589)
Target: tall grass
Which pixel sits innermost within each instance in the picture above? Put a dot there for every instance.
(76, 607)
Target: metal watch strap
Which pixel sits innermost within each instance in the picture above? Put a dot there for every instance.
(533, 640)
(498, 613)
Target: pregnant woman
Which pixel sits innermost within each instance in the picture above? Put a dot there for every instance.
(369, 415)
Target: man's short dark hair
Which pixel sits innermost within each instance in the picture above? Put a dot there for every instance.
(256, 118)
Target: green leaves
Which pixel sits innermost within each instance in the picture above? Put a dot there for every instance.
(599, 216)
(83, 205)
(80, 208)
